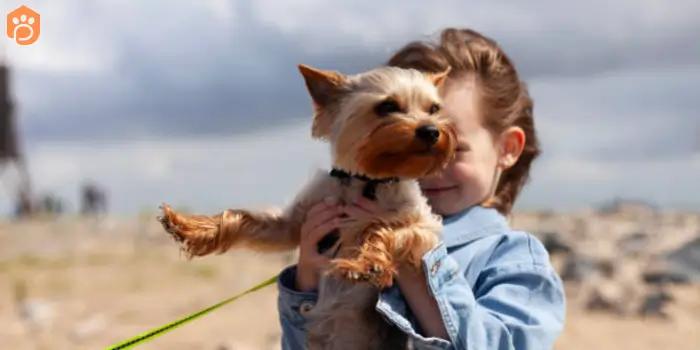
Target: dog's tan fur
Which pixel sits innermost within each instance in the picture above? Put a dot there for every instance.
(369, 251)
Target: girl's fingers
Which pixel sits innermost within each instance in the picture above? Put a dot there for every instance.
(320, 218)
(317, 208)
(322, 230)
(366, 204)
(348, 221)
(354, 211)
(362, 209)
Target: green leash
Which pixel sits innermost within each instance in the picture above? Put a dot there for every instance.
(144, 337)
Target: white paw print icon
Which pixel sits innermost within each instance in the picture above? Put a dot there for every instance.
(23, 22)
(23, 19)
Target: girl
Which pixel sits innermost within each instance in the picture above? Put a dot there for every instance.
(507, 295)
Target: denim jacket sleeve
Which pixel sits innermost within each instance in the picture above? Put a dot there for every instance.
(517, 301)
(291, 305)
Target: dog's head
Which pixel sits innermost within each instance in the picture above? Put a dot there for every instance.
(386, 122)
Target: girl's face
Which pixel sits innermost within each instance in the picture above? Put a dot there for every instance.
(472, 176)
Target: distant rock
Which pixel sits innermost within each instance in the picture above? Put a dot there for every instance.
(665, 274)
(628, 207)
(579, 268)
(616, 256)
(679, 266)
(608, 296)
(654, 303)
(555, 243)
(633, 244)
(686, 260)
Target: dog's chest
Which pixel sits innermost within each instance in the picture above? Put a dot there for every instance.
(347, 310)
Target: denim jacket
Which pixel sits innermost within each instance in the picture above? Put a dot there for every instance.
(494, 286)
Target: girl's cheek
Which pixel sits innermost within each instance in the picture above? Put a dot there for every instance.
(461, 170)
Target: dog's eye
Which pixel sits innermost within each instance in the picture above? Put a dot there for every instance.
(434, 108)
(386, 107)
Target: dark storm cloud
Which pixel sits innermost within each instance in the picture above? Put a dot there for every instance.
(144, 100)
(190, 82)
(189, 76)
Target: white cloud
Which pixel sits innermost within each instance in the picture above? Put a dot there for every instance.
(223, 10)
(207, 174)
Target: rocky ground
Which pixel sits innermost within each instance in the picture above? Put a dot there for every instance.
(85, 284)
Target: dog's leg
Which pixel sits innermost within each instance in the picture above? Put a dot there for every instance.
(373, 263)
(386, 248)
(414, 241)
(200, 235)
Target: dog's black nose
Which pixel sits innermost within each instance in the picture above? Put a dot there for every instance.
(428, 134)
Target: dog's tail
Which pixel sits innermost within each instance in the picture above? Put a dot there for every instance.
(264, 231)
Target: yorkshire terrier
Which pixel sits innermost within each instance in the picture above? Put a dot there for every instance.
(385, 129)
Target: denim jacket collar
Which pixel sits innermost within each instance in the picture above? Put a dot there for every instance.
(472, 224)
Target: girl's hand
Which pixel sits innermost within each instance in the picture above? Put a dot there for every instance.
(321, 219)
(362, 208)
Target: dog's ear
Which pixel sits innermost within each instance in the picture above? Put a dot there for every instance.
(439, 78)
(325, 88)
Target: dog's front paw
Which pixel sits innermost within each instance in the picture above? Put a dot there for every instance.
(196, 235)
(169, 222)
(364, 270)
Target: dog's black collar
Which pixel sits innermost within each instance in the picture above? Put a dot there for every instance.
(342, 174)
(370, 189)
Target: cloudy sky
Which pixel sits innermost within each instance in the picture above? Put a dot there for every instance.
(200, 103)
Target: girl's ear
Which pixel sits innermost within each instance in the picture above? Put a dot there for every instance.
(512, 142)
